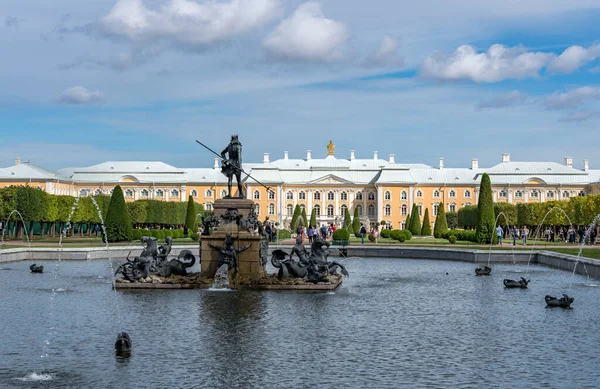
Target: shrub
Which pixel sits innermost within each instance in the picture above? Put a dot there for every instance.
(137, 234)
(118, 222)
(385, 233)
(195, 236)
(371, 238)
(283, 234)
(190, 217)
(341, 234)
(394, 234)
(401, 238)
(426, 229)
(441, 224)
(408, 234)
(452, 220)
(452, 239)
(294, 223)
(485, 215)
(356, 223)
(415, 223)
(347, 220)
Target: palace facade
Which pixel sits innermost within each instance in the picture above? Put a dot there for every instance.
(381, 190)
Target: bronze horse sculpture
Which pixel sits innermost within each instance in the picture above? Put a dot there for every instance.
(483, 271)
(36, 268)
(123, 345)
(563, 302)
(522, 283)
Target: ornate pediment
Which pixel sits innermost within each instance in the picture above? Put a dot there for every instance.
(330, 179)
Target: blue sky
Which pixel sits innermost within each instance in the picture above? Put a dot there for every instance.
(88, 82)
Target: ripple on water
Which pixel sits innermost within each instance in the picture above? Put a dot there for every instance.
(36, 377)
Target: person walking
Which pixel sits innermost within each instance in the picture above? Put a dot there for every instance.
(514, 232)
(310, 234)
(363, 231)
(525, 233)
(499, 232)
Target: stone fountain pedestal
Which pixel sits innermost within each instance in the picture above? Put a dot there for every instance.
(249, 266)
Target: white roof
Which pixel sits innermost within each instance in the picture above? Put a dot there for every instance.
(532, 168)
(25, 171)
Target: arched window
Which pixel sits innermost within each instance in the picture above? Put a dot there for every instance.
(208, 206)
(452, 207)
(358, 196)
(565, 195)
(208, 193)
(419, 194)
(403, 195)
(387, 195)
(403, 225)
(581, 193)
(330, 196)
(360, 210)
(371, 196)
(420, 207)
(193, 193)
(330, 210)
(257, 209)
(317, 196)
(223, 193)
(371, 211)
(128, 193)
(403, 210)
(387, 210)
(466, 204)
(302, 207)
(535, 194)
(435, 209)
(256, 195)
(436, 194)
(174, 193)
(344, 196)
(343, 210)
(271, 209)
(144, 193)
(503, 194)
(98, 192)
(550, 194)
(289, 195)
(467, 194)
(518, 194)
(302, 196)
(289, 210)
(271, 194)
(159, 194)
(452, 194)
(317, 210)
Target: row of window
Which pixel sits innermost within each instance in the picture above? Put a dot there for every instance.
(534, 194)
(317, 196)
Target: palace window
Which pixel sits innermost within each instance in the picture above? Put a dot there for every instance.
(330, 196)
(271, 194)
(419, 194)
(435, 209)
(174, 193)
(371, 196)
(360, 210)
(302, 207)
(257, 209)
(518, 194)
(317, 196)
(403, 225)
(271, 209)
(387, 195)
(403, 195)
(289, 195)
(301, 196)
(98, 192)
(371, 211)
(208, 193)
(420, 207)
(387, 210)
(467, 194)
(343, 210)
(344, 196)
(503, 194)
(452, 194)
(256, 195)
(436, 194)
(223, 193)
(289, 210)
(359, 196)
(452, 207)
(550, 194)
(145, 194)
(317, 210)
(565, 195)
(330, 210)
(535, 194)
(193, 193)
(403, 210)
(466, 204)
(128, 193)
(581, 193)
(208, 206)
(159, 194)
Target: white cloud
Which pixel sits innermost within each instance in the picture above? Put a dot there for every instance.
(80, 95)
(578, 116)
(496, 64)
(572, 99)
(573, 58)
(504, 100)
(386, 54)
(307, 35)
(186, 21)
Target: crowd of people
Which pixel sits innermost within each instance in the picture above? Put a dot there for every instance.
(571, 234)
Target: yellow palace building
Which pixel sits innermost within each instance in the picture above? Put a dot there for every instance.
(381, 189)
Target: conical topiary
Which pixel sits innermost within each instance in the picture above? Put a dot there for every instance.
(294, 223)
(313, 218)
(190, 217)
(356, 223)
(407, 222)
(485, 212)
(347, 220)
(426, 228)
(304, 220)
(441, 224)
(118, 221)
(415, 223)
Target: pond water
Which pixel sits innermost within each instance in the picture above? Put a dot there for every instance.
(395, 323)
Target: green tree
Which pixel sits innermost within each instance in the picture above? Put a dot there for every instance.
(407, 222)
(426, 228)
(485, 212)
(415, 223)
(467, 217)
(304, 218)
(190, 217)
(118, 222)
(441, 223)
(137, 211)
(356, 223)
(294, 223)
(313, 218)
(508, 211)
(347, 220)
(452, 220)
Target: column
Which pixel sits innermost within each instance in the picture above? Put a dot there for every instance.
(510, 196)
(249, 194)
(309, 199)
(364, 194)
(183, 194)
(476, 196)
(411, 198)
(379, 203)
(167, 194)
(525, 196)
(323, 209)
(336, 196)
(495, 195)
(295, 194)
(136, 194)
(281, 203)
(542, 195)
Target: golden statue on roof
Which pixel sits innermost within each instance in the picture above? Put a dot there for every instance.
(330, 148)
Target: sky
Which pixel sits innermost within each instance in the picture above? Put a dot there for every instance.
(86, 82)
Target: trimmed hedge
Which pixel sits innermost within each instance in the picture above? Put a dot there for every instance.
(385, 233)
(283, 234)
(371, 238)
(118, 222)
(465, 235)
(452, 239)
(341, 234)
